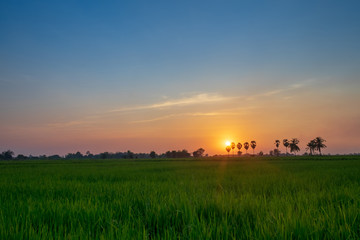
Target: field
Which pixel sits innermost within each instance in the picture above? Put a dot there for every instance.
(247, 198)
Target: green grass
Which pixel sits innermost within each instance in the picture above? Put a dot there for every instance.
(250, 198)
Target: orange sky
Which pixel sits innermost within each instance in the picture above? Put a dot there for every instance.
(207, 120)
(165, 75)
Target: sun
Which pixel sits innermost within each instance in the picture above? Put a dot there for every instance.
(227, 143)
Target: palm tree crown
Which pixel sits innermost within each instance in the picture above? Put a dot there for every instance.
(277, 143)
(294, 145)
(286, 144)
(311, 146)
(246, 146)
(319, 143)
(239, 146)
(228, 148)
(253, 145)
(233, 147)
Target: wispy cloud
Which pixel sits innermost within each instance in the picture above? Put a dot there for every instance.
(201, 98)
(274, 92)
(232, 112)
(67, 124)
(193, 99)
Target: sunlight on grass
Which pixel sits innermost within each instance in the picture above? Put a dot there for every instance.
(170, 199)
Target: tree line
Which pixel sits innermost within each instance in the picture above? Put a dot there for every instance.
(239, 146)
(9, 155)
(315, 145)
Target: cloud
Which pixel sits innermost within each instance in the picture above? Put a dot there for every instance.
(281, 90)
(228, 112)
(67, 124)
(201, 98)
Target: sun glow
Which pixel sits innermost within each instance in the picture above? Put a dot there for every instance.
(227, 143)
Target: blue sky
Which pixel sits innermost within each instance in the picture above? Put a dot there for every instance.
(66, 61)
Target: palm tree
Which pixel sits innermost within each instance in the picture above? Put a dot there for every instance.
(239, 146)
(311, 146)
(277, 144)
(253, 146)
(294, 145)
(319, 143)
(246, 146)
(228, 148)
(286, 144)
(233, 147)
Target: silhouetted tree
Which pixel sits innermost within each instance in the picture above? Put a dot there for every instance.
(53, 157)
(277, 143)
(286, 144)
(294, 145)
(88, 154)
(21, 157)
(228, 148)
(7, 155)
(319, 143)
(104, 155)
(199, 152)
(233, 147)
(253, 146)
(311, 146)
(177, 154)
(152, 154)
(246, 146)
(261, 153)
(130, 154)
(276, 152)
(239, 146)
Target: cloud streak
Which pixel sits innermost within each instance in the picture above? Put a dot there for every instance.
(195, 99)
(202, 98)
(233, 112)
(281, 90)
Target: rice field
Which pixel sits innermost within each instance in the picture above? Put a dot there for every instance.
(209, 198)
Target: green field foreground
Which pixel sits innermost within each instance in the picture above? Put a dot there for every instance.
(246, 198)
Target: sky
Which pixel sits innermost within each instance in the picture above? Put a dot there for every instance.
(170, 75)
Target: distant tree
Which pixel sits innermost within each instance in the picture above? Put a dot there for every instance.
(104, 155)
(228, 149)
(88, 154)
(7, 155)
(276, 152)
(239, 146)
(184, 154)
(246, 146)
(286, 144)
(311, 146)
(253, 146)
(277, 143)
(199, 152)
(261, 153)
(21, 157)
(319, 144)
(294, 145)
(271, 153)
(239, 153)
(130, 154)
(71, 155)
(233, 147)
(177, 154)
(152, 154)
